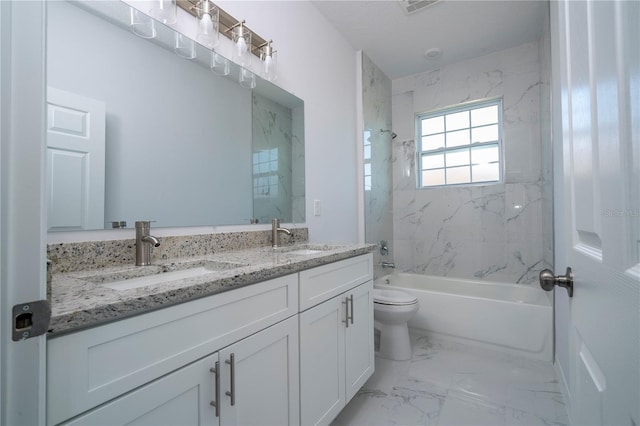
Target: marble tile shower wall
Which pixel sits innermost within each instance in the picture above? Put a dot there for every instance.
(376, 97)
(490, 232)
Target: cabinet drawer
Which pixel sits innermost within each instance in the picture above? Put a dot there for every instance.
(324, 282)
(87, 368)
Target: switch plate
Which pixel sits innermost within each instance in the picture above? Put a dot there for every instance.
(317, 208)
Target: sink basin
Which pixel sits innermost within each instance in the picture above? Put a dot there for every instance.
(160, 274)
(304, 252)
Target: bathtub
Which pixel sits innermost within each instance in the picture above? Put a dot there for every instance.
(513, 318)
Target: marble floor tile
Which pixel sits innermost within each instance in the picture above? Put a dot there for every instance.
(450, 383)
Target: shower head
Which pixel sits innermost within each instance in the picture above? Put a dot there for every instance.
(393, 135)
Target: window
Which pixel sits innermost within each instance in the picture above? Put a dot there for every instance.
(460, 145)
(265, 173)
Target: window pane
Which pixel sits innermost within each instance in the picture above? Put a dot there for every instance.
(458, 157)
(461, 137)
(486, 172)
(433, 142)
(484, 154)
(367, 183)
(456, 121)
(487, 115)
(434, 161)
(367, 151)
(458, 175)
(367, 169)
(433, 125)
(433, 177)
(484, 134)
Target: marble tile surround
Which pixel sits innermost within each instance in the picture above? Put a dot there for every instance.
(376, 96)
(500, 232)
(448, 383)
(71, 257)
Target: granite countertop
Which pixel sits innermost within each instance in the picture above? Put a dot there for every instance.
(81, 299)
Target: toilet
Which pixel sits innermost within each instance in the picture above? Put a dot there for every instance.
(391, 311)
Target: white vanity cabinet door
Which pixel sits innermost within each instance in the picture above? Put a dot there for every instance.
(265, 374)
(322, 362)
(359, 351)
(180, 398)
(336, 358)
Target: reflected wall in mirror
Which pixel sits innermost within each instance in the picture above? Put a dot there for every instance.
(180, 145)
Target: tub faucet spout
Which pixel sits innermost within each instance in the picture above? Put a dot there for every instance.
(388, 265)
(144, 242)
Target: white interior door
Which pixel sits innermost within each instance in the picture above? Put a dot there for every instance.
(75, 161)
(597, 207)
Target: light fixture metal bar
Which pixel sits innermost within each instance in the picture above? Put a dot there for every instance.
(227, 22)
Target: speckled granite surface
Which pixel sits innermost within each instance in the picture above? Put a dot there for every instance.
(81, 300)
(68, 257)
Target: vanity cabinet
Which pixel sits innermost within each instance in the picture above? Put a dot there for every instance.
(91, 367)
(260, 374)
(336, 337)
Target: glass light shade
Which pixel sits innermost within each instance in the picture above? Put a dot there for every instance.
(165, 11)
(208, 24)
(142, 25)
(219, 64)
(242, 45)
(269, 62)
(247, 79)
(184, 46)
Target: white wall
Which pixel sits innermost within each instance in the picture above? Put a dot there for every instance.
(316, 64)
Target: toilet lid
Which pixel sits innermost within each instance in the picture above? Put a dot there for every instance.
(393, 297)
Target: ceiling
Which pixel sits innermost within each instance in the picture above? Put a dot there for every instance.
(396, 42)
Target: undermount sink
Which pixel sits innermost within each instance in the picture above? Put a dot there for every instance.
(305, 249)
(160, 274)
(303, 252)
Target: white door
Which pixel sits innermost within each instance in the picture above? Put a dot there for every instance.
(262, 378)
(180, 398)
(75, 161)
(597, 88)
(322, 362)
(23, 225)
(360, 364)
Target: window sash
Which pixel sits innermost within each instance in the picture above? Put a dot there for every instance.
(438, 120)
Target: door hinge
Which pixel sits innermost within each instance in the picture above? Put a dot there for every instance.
(30, 319)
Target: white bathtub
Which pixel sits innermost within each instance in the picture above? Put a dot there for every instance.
(514, 318)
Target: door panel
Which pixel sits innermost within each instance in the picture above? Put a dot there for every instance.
(359, 340)
(75, 161)
(322, 362)
(266, 378)
(599, 210)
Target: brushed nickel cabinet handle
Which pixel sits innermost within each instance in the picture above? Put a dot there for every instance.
(351, 300)
(232, 393)
(346, 311)
(216, 374)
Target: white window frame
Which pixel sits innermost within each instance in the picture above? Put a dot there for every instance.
(469, 106)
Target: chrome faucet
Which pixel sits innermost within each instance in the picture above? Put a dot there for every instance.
(144, 242)
(388, 264)
(275, 232)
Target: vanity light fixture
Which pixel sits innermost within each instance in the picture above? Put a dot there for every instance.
(209, 17)
(142, 25)
(247, 78)
(241, 37)
(165, 11)
(269, 60)
(184, 46)
(219, 64)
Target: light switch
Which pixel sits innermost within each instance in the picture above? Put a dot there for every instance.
(317, 208)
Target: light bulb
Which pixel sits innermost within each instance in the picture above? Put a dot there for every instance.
(241, 47)
(206, 24)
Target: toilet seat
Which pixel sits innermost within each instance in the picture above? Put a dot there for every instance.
(393, 297)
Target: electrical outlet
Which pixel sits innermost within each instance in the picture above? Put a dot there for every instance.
(317, 208)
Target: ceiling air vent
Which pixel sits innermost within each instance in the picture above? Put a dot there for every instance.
(413, 6)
